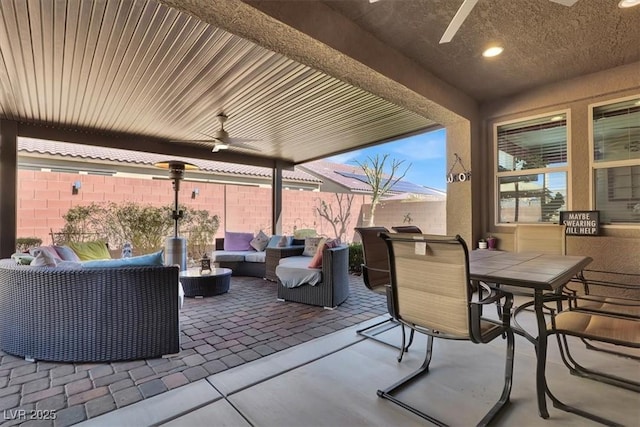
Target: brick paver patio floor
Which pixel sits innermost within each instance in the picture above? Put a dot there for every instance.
(217, 333)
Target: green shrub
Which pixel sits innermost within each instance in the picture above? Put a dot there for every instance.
(24, 243)
(144, 226)
(356, 258)
(82, 224)
(200, 230)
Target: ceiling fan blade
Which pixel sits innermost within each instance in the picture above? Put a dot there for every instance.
(193, 140)
(236, 141)
(565, 2)
(458, 19)
(237, 144)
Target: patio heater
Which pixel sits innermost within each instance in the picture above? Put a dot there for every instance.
(176, 247)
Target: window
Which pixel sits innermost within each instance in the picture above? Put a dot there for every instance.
(531, 175)
(616, 161)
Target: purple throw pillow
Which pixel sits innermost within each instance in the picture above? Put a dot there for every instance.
(237, 241)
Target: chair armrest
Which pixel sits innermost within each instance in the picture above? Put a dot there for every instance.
(369, 280)
(335, 262)
(476, 314)
(273, 257)
(605, 292)
(335, 271)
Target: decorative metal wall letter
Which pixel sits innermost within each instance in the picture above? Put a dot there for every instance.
(463, 176)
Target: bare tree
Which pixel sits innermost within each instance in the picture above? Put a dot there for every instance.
(380, 182)
(340, 219)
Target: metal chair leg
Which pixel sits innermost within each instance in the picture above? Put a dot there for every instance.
(578, 370)
(508, 382)
(391, 324)
(557, 403)
(424, 369)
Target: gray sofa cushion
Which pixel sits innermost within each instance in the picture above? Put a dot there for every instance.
(294, 271)
(256, 257)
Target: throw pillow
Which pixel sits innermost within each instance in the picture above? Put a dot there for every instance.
(91, 250)
(273, 241)
(260, 242)
(44, 259)
(316, 262)
(49, 249)
(155, 258)
(22, 258)
(285, 241)
(303, 233)
(237, 241)
(278, 241)
(311, 245)
(66, 253)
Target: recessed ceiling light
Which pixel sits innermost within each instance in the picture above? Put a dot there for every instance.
(628, 3)
(557, 118)
(492, 51)
(637, 103)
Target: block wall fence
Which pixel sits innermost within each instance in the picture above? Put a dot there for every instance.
(44, 197)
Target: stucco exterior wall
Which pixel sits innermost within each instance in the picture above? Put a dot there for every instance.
(576, 96)
(430, 216)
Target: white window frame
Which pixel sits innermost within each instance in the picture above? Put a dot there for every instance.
(593, 165)
(497, 175)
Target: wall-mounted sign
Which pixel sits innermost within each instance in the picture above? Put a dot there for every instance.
(463, 176)
(581, 223)
(458, 177)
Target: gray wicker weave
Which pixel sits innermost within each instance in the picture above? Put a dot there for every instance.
(334, 288)
(216, 282)
(88, 314)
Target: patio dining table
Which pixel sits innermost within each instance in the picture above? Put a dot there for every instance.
(544, 275)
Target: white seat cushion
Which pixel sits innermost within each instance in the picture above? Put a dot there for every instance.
(256, 257)
(294, 271)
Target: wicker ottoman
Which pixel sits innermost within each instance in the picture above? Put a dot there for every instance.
(205, 285)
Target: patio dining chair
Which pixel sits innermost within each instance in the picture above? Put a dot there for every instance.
(542, 239)
(431, 293)
(376, 277)
(407, 229)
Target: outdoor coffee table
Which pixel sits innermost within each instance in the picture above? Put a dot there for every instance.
(205, 285)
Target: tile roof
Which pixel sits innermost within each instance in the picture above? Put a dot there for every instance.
(330, 171)
(344, 175)
(88, 152)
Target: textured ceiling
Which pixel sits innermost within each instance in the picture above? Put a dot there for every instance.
(544, 41)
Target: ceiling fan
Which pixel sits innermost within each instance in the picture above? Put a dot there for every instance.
(221, 139)
(465, 9)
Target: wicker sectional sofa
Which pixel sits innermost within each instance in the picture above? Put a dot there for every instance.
(88, 314)
(252, 263)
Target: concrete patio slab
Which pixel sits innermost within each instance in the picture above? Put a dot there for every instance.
(159, 408)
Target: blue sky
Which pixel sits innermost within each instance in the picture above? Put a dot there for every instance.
(425, 152)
